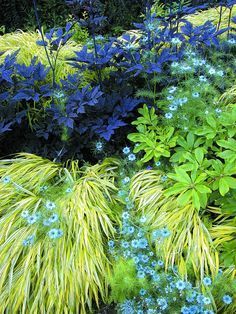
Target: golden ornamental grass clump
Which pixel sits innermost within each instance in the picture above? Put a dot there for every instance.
(28, 49)
(54, 222)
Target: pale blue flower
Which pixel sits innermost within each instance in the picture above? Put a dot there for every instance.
(141, 274)
(142, 292)
(130, 229)
(180, 285)
(158, 163)
(172, 89)
(29, 240)
(131, 157)
(212, 71)
(32, 219)
(165, 233)
(53, 218)
(208, 312)
(227, 299)
(218, 110)
(68, 190)
(55, 233)
(175, 41)
(43, 188)
(142, 243)
(162, 303)
(126, 180)
(164, 178)
(50, 205)
(127, 307)
(160, 263)
(170, 97)
(125, 215)
(6, 179)
(202, 78)
(220, 73)
(143, 219)
(126, 150)
(111, 243)
(206, 300)
(125, 244)
(99, 146)
(134, 243)
(173, 107)
(145, 258)
(231, 41)
(46, 222)
(207, 281)
(25, 214)
(195, 95)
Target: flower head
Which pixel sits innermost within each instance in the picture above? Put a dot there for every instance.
(55, 233)
(25, 214)
(32, 219)
(50, 205)
(227, 299)
(180, 285)
(6, 179)
(207, 281)
(131, 157)
(126, 150)
(53, 218)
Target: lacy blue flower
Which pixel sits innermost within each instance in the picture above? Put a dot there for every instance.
(32, 219)
(25, 214)
(55, 233)
(50, 205)
(53, 218)
(168, 115)
(227, 299)
(135, 243)
(207, 281)
(141, 274)
(131, 157)
(125, 215)
(6, 179)
(180, 285)
(142, 243)
(162, 303)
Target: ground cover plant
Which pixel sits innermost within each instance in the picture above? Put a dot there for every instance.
(124, 197)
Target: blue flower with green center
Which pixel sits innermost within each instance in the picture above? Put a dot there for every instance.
(168, 115)
(55, 233)
(145, 258)
(135, 243)
(25, 214)
(29, 240)
(6, 179)
(126, 180)
(131, 157)
(162, 303)
(125, 215)
(158, 163)
(207, 281)
(142, 243)
(53, 218)
(142, 292)
(160, 263)
(206, 300)
(126, 150)
(227, 299)
(125, 244)
(180, 285)
(46, 222)
(111, 243)
(141, 274)
(50, 205)
(130, 230)
(32, 219)
(165, 233)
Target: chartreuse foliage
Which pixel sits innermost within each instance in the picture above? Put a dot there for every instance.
(200, 165)
(53, 224)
